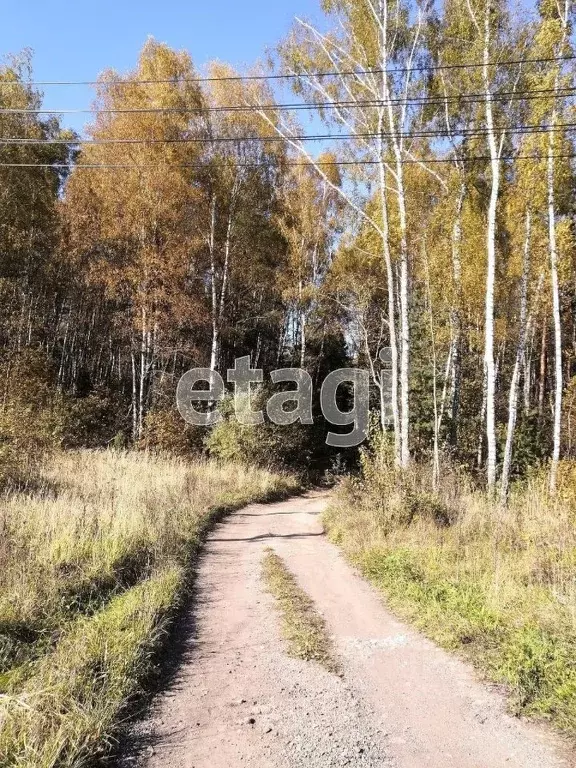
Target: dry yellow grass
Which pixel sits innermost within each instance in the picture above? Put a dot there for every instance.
(92, 565)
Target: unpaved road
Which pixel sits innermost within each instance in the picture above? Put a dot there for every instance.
(238, 700)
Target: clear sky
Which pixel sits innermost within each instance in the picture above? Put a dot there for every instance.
(77, 40)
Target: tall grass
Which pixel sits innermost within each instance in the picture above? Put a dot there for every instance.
(498, 584)
(92, 565)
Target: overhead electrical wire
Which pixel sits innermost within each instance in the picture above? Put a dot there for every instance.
(416, 101)
(418, 134)
(321, 163)
(293, 75)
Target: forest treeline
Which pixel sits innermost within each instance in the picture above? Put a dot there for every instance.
(404, 180)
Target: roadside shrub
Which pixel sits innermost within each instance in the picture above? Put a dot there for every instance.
(398, 498)
(30, 415)
(165, 430)
(266, 445)
(91, 421)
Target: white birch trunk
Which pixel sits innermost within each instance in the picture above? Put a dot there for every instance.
(134, 399)
(143, 373)
(393, 338)
(554, 269)
(436, 450)
(404, 265)
(490, 267)
(456, 316)
(213, 287)
(520, 354)
(405, 334)
(302, 339)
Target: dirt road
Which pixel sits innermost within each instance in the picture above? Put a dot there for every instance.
(238, 700)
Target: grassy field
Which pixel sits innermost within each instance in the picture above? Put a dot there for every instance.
(498, 585)
(93, 564)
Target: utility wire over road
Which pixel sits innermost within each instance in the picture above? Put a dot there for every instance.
(416, 101)
(406, 101)
(296, 75)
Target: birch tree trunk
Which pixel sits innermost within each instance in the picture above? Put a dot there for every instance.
(393, 338)
(218, 293)
(134, 397)
(491, 266)
(556, 316)
(405, 333)
(554, 264)
(436, 451)
(393, 334)
(520, 354)
(456, 316)
(143, 373)
(396, 140)
(213, 288)
(302, 339)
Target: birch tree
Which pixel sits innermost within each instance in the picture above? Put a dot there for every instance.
(524, 329)
(552, 41)
(238, 162)
(369, 39)
(489, 22)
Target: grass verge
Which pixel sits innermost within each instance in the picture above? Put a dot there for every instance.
(303, 627)
(497, 585)
(94, 565)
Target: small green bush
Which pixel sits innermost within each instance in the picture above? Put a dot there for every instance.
(165, 430)
(266, 445)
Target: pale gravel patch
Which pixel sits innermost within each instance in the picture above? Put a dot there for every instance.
(371, 644)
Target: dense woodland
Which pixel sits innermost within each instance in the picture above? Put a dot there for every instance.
(404, 180)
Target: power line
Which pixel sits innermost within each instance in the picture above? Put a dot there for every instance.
(422, 134)
(169, 166)
(291, 75)
(416, 101)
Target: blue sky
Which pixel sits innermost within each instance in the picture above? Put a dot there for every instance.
(76, 41)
